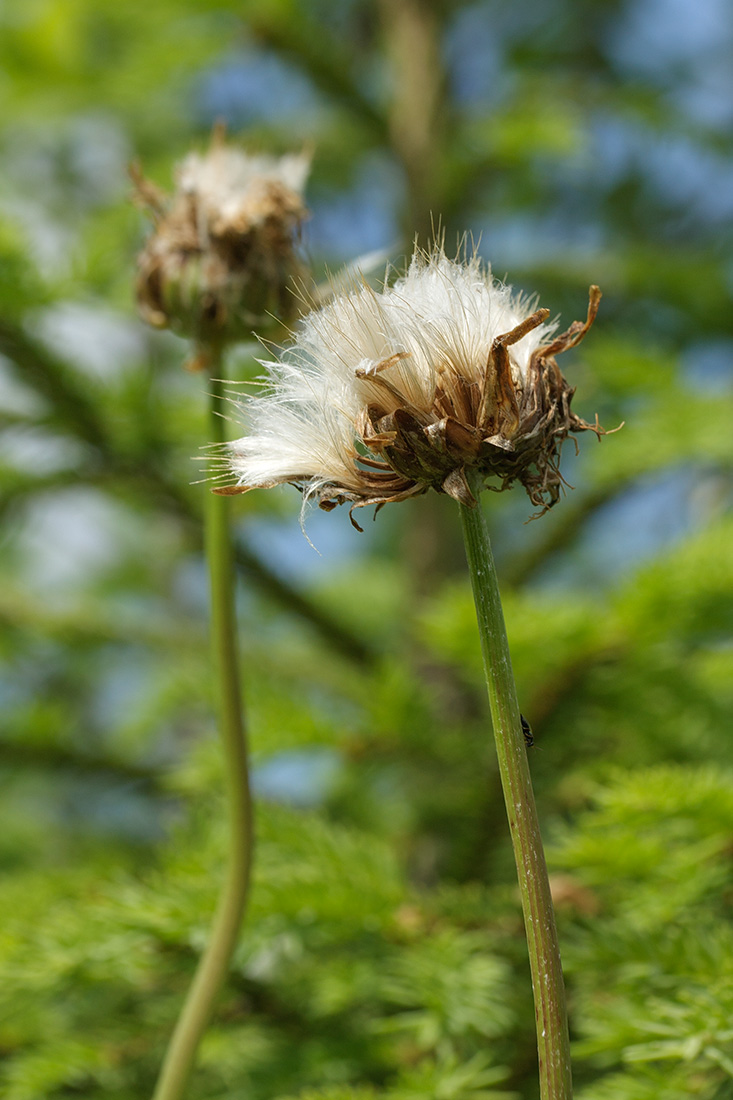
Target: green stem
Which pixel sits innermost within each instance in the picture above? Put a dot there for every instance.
(553, 1044)
(214, 963)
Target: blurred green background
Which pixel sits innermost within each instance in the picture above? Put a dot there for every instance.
(383, 954)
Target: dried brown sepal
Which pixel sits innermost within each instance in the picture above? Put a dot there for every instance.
(147, 195)
(500, 411)
(456, 486)
(230, 490)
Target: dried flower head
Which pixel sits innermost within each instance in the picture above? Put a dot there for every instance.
(222, 256)
(384, 395)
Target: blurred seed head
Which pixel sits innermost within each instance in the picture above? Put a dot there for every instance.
(384, 395)
(222, 256)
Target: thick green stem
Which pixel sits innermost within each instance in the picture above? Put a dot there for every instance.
(544, 953)
(214, 963)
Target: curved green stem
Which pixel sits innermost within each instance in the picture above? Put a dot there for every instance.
(214, 963)
(553, 1044)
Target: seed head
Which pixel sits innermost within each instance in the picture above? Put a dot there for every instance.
(386, 394)
(222, 256)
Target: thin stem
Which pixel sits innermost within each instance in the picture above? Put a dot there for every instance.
(553, 1044)
(214, 963)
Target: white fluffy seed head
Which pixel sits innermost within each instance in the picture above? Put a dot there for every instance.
(441, 316)
(384, 394)
(228, 185)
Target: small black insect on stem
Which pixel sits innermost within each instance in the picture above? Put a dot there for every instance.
(527, 731)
